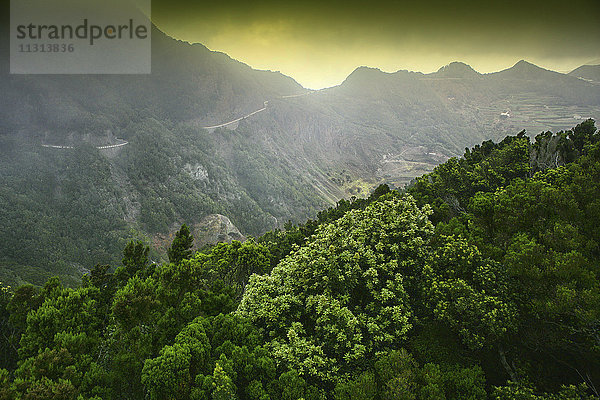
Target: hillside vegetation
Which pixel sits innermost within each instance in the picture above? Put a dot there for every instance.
(480, 281)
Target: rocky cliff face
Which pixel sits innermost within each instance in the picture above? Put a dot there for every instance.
(215, 228)
(210, 230)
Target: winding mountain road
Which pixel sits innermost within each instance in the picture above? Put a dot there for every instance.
(266, 104)
(110, 146)
(238, 119)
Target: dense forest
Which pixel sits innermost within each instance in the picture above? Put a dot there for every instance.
(478, 281)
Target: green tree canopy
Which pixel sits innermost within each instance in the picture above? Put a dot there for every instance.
(181, 248)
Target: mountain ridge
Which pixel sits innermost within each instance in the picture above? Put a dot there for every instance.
(458, 69)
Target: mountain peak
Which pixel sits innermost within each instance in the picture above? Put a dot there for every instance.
(364, 75)
(457, 69)
(522, 64)
(365, 71)
(524, 70)
(525, 67)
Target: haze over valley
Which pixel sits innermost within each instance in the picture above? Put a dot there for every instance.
(162, 149)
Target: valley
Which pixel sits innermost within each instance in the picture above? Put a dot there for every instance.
(91, 162)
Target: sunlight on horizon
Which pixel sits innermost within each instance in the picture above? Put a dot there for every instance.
(322, 65)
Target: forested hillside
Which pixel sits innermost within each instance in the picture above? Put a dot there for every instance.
(480, 281)
(64, 209)
(204, 134)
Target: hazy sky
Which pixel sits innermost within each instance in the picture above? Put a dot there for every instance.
(319, 43)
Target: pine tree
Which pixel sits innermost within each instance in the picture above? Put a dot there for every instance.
(135, 257)
(181, 248)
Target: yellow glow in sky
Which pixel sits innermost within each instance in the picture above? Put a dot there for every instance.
(320, 44)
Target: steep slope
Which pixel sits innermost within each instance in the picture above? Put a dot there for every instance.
(66, 208)
(587, 72)
(188, 82)
(395, 126)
